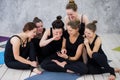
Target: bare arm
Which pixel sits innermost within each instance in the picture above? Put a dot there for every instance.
(95, 48)
(63, 49)
(66, 21)
(63, 43)
(44, 41)
(78, 53)
(16, 51)
(85, 19)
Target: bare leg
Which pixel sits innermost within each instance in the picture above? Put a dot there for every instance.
(36, 70)
(62, 64)
(111, 77)
(117, 70)
(84, 55)
(69, 71)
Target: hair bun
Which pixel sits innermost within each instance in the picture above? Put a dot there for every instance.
(59, 17)
(71, 1)
(94, 22)
(35, 17)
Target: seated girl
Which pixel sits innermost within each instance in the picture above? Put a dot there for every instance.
(40, 31)
(51, 41)
(69, 59)
(19, 51)
(97, 60)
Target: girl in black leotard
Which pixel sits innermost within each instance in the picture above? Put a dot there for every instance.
(70, 59)
(19, 48)
(97, 60)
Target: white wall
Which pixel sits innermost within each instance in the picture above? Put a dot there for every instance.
(15, 13)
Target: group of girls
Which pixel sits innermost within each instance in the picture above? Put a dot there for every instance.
(71, 46)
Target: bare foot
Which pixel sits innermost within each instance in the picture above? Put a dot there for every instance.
(111, 77)
(117, 70)
(69, 71)
(62, 64)
(36, 70)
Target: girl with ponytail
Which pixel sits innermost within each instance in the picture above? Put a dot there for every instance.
(51, 41)
(97, 60)
(40, 31)
(68, 58)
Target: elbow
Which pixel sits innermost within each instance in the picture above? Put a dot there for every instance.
(90, 54)
(41, 44)
(16, 58)
(74, 59)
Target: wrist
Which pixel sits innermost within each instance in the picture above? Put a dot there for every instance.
(28, 62)
(86, 45)
(63, 47)
(68, 57)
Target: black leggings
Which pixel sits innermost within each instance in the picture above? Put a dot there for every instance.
(77, 67)
(98, 64)
(27, 53)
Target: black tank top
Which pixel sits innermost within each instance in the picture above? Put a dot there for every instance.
(36, 41)
(56, 45)
(93, 44)
(72, 47)
(9, 51)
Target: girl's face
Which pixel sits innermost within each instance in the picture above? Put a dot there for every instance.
(39, 27)
(71, 14)
(71, 31)
(58, 33)
(89, 33)
(32, 33)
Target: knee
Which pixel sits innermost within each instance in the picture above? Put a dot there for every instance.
(85, 70)
(43, 65)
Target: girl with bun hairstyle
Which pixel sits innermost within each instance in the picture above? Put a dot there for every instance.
(40, 31)
(69, 58)
(72, 14)
(51, 41)
(97, 60)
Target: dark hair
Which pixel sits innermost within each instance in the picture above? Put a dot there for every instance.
(29, 26)
(58, 23)
(36, 20)
(92, 26)
(72, 5)
(74, 24)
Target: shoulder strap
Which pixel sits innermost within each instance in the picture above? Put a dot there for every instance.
(95, 38)
(18, 37)
(51, 32)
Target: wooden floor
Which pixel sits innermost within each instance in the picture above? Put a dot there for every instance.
(110, 41)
